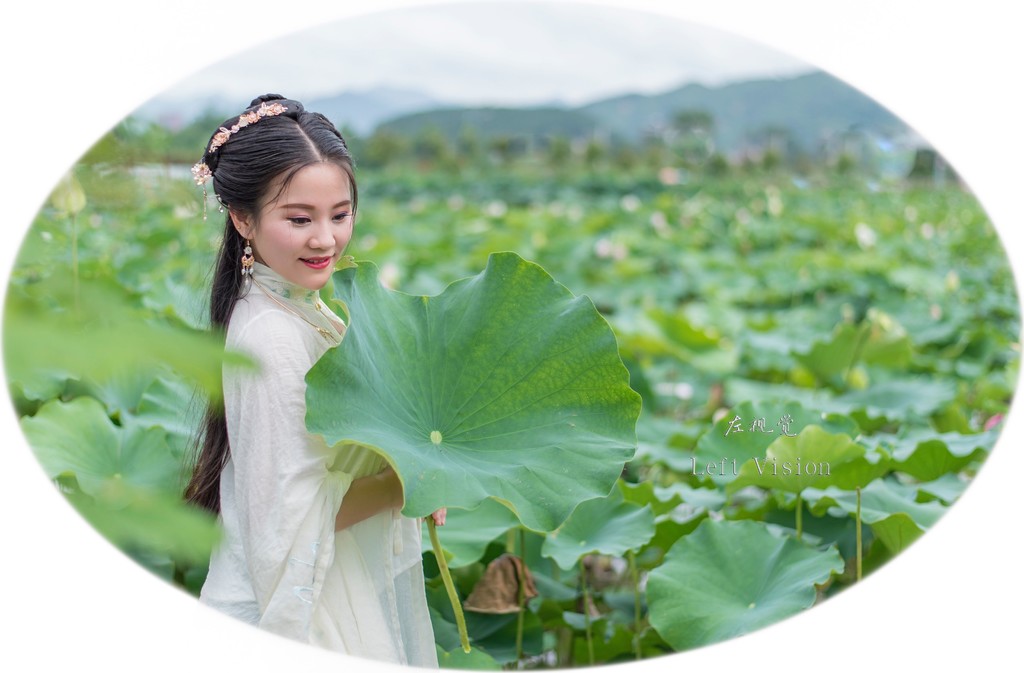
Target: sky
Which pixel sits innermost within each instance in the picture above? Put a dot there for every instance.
(504, 53)
(947, 68)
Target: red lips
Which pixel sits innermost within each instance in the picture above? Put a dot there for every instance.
(316, 262)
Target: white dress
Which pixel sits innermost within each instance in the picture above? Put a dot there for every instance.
(281, 565)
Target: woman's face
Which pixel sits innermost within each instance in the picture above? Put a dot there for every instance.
(303, 232)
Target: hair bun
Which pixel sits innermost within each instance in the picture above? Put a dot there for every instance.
(294, 106)
(266, 98)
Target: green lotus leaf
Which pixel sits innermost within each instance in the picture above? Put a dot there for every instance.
(468, 532)
(475, 660)
(896, 531)
(77, 437)
(737, 388)
(551, 589)
(662, 440)
(946, 489)
(446, 633)
(664, 499)
(610, 642)
(860, 472)
(927, 456)
(607, 525)
(171, 404)
(814, 458)
(678, 508)
(107, 337)
(655, 332)
(496, 634)
(38, 384)
(728, 578)
(643, 494)
(899, 399)
(880, 501)
(879, 340)
(504, 386)
(139, 520)
(120, 392)
(747, 431)
(668, 528)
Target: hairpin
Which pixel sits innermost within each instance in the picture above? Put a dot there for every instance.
(201, 173)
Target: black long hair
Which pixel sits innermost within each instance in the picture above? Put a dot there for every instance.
(243, 168)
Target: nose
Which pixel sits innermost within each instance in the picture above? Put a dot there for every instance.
(321, 236)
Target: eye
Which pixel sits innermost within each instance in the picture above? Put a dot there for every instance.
(341, 216)
(299, 220)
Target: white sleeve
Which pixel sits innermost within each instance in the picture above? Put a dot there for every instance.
(286, 496)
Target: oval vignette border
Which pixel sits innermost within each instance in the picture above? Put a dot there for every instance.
(48, 566)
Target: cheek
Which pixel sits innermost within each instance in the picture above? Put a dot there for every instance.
(346, 232)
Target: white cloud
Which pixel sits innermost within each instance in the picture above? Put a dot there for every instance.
(497, 53)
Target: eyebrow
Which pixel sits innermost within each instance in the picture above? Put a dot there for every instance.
(346, 202)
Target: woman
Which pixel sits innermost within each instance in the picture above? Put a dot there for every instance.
(315, 547)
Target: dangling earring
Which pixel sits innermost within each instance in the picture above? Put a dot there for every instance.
(247, 260)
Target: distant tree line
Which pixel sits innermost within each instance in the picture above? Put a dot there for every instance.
(686, 143)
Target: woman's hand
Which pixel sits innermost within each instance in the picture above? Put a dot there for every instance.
(439, 516)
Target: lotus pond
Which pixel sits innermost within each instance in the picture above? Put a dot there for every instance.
(823, 366)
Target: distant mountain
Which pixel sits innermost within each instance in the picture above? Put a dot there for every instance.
(175, 113)
(808, 108)
(362, 111)
(489, 122)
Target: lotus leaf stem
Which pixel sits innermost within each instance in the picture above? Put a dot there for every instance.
(446, 576)
(860, 550)
(586, 610)
(799, 516)
(636, 602)
(522, 595)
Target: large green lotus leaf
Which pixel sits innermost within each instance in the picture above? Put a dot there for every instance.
(728, 578)
(607, 525)
(814, 458)
(468, 532)
(504, 386)
(747, 431)
(77, 437)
